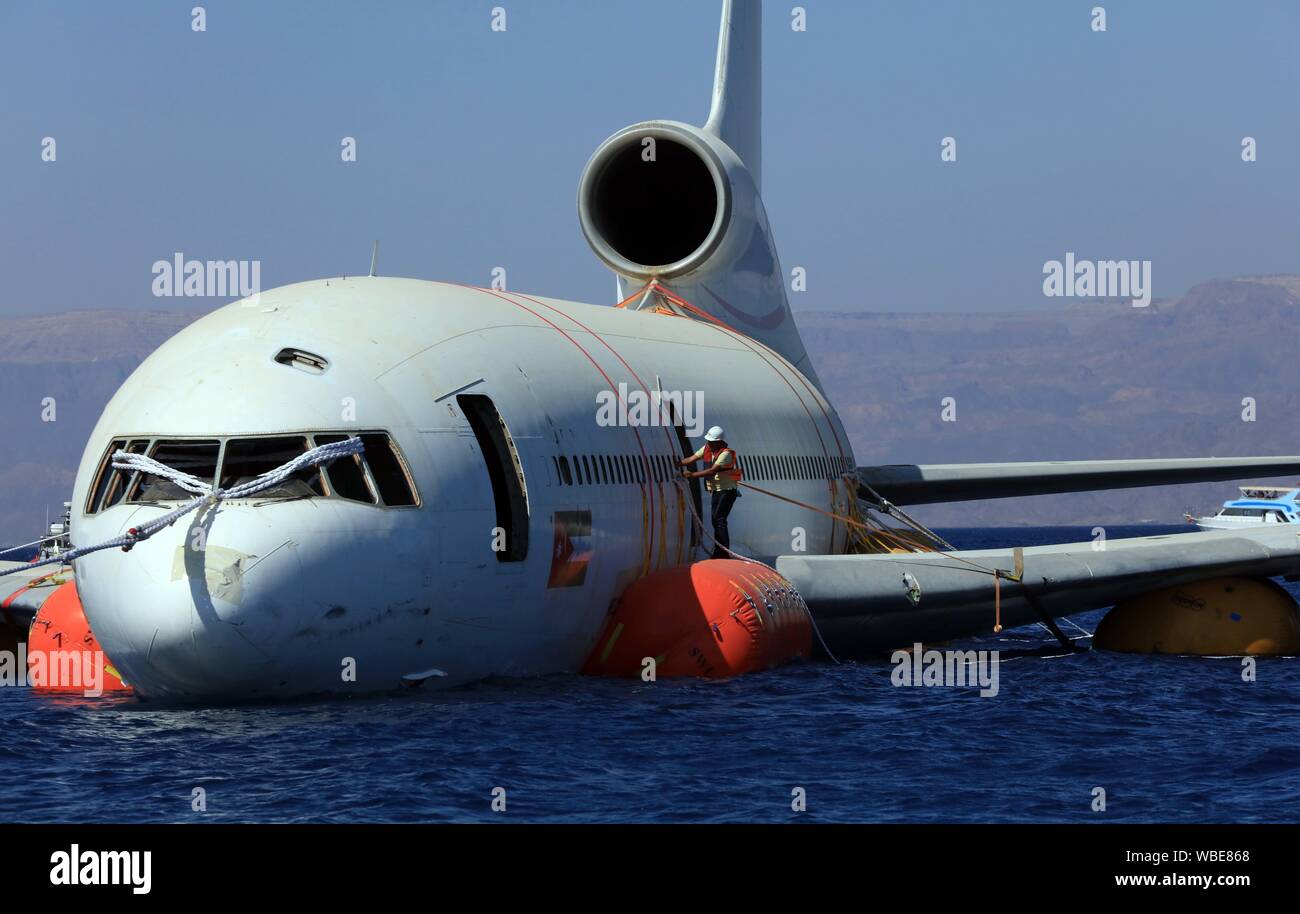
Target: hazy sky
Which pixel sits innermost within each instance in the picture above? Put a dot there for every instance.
(226, 144)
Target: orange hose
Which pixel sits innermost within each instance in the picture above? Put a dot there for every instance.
(997, 603)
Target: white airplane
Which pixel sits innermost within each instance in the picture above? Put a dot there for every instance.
(478, 410)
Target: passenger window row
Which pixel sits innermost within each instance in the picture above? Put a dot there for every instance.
(379, 476)
(767, 467)
(600, 469)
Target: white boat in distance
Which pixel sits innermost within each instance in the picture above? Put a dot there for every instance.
(1257, 505)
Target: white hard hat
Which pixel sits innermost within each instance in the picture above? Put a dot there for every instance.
(714, 434)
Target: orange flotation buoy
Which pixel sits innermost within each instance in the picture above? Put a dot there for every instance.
(711, 619)
(1221, 617)
(62, 653)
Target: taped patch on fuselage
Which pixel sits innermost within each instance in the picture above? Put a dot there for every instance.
(223, 570)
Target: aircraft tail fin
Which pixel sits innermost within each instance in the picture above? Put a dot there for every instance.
(680, 205)
(736, 116)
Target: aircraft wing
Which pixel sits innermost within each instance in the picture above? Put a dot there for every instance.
(905, 484)
(861, 602)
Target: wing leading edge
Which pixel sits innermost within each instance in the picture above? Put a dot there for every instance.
(905, 484)
(861, 603)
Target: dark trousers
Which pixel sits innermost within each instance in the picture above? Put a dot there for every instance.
(720, 504)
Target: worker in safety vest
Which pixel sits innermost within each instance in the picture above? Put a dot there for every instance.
(721, 477)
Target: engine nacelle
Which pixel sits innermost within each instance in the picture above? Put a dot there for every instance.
(656, 201)
(668, 201)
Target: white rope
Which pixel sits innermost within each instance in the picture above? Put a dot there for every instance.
(205, 494)
(39, 542)
(1068, 621)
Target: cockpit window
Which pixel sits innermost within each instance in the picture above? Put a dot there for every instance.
(103, 477)
(347, 475)
(197, 458)
(389, 473)
(118, 481)
(381, 469)
(247, 458)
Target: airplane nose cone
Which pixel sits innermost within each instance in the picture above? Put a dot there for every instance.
(200, 610)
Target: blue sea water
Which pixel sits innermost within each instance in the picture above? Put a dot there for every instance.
(1169, 739)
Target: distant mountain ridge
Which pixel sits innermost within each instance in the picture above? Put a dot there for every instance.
(78, 358)
(1090, 380)
(1096, 381)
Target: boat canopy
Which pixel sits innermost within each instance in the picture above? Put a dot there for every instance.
(1269, 492)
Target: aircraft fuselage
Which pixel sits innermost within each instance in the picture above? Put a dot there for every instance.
(505, 571)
